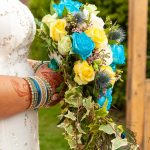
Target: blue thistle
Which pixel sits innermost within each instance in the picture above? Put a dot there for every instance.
(103, 80)
(79, 17)
(118, 35)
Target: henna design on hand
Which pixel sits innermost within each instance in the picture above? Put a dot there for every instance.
(21, 91)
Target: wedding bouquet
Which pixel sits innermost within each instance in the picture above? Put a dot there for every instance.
(86, 50)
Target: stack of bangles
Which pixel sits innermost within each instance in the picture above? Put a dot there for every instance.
(41, 92)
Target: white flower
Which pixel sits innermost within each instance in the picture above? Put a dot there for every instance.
(64, 45)
(97, 21)
(107, 50)
(48, 19)
(92, 9)
(56, 56)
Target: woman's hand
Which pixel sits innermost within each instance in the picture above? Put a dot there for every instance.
(54, 78)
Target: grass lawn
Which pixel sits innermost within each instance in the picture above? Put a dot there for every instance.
(51, 137)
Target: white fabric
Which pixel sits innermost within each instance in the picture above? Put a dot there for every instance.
(17, 30)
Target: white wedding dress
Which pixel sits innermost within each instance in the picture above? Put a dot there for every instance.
(17, 30)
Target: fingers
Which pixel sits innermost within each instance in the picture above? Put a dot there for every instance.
(55, 99)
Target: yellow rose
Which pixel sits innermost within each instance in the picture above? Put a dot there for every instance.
(84, 73)
(98, 36)
(57, 29)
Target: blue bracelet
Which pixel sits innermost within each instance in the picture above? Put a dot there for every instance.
(38, 90)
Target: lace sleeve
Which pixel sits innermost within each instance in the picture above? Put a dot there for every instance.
(7, 39)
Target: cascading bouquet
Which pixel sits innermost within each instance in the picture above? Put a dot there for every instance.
(86, 50)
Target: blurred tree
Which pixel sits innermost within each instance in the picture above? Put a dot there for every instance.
(148, 49)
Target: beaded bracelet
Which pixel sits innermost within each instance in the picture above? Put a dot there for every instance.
(37, 65)
(34, 93)
(49, 92)
(41, 92)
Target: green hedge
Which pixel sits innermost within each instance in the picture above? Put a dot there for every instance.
(116, 9)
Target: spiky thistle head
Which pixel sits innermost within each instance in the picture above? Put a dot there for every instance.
(118, 35)
(79, 18)
(105, 77)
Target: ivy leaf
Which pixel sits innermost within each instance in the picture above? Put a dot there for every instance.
(74, 96)
(89, 105)
(102, 112)
(80, 129)
(69, 130)
(94, 127)
(52, 11)
(71, 142)
(118, 143)
(108, 128)
(62, 125)
(71, 116)
(79, 136)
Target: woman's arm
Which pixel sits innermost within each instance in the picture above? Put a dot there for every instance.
(15, 96)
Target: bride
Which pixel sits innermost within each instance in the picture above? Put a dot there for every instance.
(20, 91)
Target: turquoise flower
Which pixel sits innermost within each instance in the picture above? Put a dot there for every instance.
(72, 6)
(113, 66)
(53, 65)
(82, 45)
(107, 96)
(118, 54)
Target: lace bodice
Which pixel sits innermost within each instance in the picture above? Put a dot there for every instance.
(17, 30)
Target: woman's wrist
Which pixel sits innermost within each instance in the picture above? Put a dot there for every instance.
(41, 92)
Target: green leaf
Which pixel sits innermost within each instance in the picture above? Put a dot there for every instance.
(59, 89)
(74, 96)
(80, 129)
(118, 143)
(108, 128)
(45, 28)
(94, 128)
(112, 42)
(65, 12)
(38, 23)
(69, 130)
(71, 116)
(48, 41)
(62, 125)
(102, 112)
(89, 105)
(71, 142)
(52, 11)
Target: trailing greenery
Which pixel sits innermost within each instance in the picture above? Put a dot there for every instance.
(118, 11)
